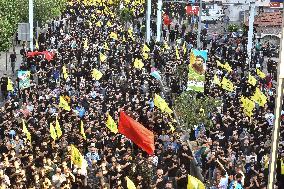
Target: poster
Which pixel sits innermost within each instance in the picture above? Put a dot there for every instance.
(196, 70)
(24, 79)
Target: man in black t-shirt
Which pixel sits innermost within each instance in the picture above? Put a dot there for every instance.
(13, 59)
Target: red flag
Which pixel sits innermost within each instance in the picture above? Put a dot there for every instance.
(136, 132)
(48, 55)
(192, 10)
(167, 20)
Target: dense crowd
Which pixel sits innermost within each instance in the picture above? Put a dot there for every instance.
(234, 153)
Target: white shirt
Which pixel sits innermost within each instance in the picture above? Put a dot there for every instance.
(224, 182)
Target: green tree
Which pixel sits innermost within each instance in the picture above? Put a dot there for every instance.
(9, 17)
(233, 28)
(14, 11)
(193, 110)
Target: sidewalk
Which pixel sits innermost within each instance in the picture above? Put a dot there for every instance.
(9, 69)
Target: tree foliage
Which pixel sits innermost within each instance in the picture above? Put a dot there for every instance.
(233, 28)
(194, 109)
(13, 12)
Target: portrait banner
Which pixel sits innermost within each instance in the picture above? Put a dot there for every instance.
(24, 79)
(196, 70)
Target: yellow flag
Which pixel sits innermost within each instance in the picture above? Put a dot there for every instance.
(259, 97)
(64, 71)
(96, 74)
(130, 32)
(99, 24)
(103, 57)
(260, 73)
(109, 24)
(86, 46)
(76, 156)
(145, 55)
(37, 46)
(82, 130)
(106, 46)
(58, 129)
(10, 85)
(219, 64)
(146, 48)
(64, 104)
(52, 131)
(177, 54)
(248, 106)
(184, 48)
(217, 80)
(227, 85)
(25, 130)
(171, 127)
(29, 137)
(227, 67)
(161, 104)
(111, 124)
(166, 46)
(130, 184)
(194, 183)
(251, 80)
(138, 63)
(113, 35)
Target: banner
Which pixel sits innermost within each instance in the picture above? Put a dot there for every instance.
(24, 79)
(196, 70)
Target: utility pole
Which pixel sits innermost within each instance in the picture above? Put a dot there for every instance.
(199, 25)
(250, 32)
(159, 20)
(148, 22)
(31, 21)
(277, 121)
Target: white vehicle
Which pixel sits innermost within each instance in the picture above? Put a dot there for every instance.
(212, 13)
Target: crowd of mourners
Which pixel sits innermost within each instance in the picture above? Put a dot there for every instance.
(234, 153)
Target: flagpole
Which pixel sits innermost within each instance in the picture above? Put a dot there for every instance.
(148, 22)
(277, 121)
(31, 22)
(199, 25)
(250, 32)
(159, 20)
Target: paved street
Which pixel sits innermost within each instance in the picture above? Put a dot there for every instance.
(9, 69)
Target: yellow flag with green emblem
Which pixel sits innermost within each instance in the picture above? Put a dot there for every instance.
(194, 183)
(96, 74)
(146, 48)
(259, 97)
(58, 129)
(248, 106)
(251, 80)
(227, 85)
(113, 35)
(76, 156)
(138, 63)
(64, 104)
(260, 73)
(162, 104)
(52, 131)
(110, 123)
(103, 57)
